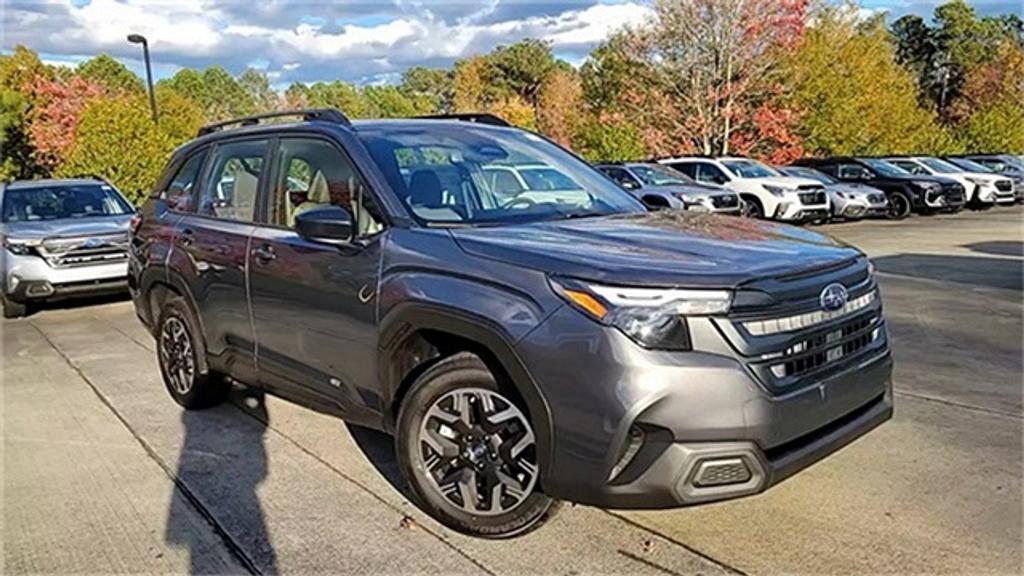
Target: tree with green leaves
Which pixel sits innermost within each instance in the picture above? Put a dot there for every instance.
(434, 84)
(391, 102)
(256, 84)
(855, 98)
(108, 72)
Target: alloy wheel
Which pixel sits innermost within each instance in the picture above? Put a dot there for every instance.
(176, 355)
(478, 451)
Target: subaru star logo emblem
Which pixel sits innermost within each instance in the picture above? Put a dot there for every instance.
(833, 297)
(92, 243)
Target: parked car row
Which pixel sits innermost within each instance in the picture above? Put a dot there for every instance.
(821, 189)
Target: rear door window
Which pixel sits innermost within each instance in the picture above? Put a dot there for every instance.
(710, 173)
(231, 185)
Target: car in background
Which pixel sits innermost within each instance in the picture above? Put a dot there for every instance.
(907, 193)
(522, 183)
(983, 189)
(996, 164)
(849, 200)
(660, 186)
(61, 238)
(765, 192)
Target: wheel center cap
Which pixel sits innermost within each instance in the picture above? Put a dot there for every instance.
(477, 452)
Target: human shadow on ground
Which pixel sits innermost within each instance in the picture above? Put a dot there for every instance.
(222, 462)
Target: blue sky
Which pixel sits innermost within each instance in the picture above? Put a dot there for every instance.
(307, 40)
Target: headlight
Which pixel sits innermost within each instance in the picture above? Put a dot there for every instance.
(653, 317)
(20, 247)
(775, 190)
(927, 185)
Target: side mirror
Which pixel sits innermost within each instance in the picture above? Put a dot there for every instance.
(329, 224)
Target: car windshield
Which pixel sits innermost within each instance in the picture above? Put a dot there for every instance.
(970, 165)
(447, 174)
(941, 166)
(1013, 161)
(801, 172)
(749, 169)
(63, 201)
(884, 168)
(658, 175)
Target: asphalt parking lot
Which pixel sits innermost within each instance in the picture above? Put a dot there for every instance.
(103, 473)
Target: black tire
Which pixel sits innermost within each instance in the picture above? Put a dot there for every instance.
(13, 309)
(752, 207)
(899, 206)
(181, 354)
(454, 380)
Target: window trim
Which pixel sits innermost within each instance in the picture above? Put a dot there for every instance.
(265, 205)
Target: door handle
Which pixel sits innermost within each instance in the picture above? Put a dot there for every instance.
(186, 237)
(264, 254)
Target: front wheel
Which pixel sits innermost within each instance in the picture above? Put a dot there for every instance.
(469, 452)
(899, 206)
(751, 207)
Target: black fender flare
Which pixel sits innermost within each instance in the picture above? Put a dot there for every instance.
(406, 319)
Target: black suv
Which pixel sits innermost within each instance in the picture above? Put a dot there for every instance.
(907, 193)
(561, 343)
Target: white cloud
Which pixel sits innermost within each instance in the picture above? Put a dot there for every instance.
(309, 40)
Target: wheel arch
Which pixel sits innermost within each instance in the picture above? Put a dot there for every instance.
(415, 336)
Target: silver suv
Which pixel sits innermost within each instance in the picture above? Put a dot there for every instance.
(61, 238)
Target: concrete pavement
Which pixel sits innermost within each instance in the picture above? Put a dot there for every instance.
(102, 472)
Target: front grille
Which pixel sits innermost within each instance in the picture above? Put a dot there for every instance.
(725, 201)
(1004, 185)
(954, 193)
(812, 197)
(85, 251)
(832, 346)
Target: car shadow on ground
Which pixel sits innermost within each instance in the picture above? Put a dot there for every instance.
(223, 461)
(74, 303)
(979, 271)
(998, 247)
(379, 449)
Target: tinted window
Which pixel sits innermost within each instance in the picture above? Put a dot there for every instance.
(438, 169)
(853, 172)
(688, 168)
(64, 201)
(884, 168)
(707, 172)
(180, 192)
(229, 191)
(621, 176)
(316, 174)
(969, 165)
(909, 166)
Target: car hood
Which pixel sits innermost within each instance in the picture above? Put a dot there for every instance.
(695, 189)
(853, 189)
(791, 182)
(664, 248)
(66, 227)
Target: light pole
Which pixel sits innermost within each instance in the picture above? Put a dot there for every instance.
(140, 39)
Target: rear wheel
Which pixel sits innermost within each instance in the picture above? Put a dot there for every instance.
(179, 352)
(13, 309)
(899, 206)
(468, 450)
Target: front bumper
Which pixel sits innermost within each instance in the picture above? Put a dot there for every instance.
(708, 429)
(856, 207)
(28, 278)
(791, 209)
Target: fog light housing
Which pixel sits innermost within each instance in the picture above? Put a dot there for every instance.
(721, 472)
(630, 448)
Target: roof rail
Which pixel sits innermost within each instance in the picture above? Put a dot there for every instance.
(308, 115)
(476, 117)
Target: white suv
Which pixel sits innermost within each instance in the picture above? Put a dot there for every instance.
(765, 192)
(982, 189)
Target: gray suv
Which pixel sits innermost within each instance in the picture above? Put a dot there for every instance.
(564, 343)
(61, 238)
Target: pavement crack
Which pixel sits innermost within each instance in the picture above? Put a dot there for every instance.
(955, 404)
(233, 547)
(728, 568)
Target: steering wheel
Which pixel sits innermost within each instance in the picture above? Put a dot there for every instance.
(525, 202)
